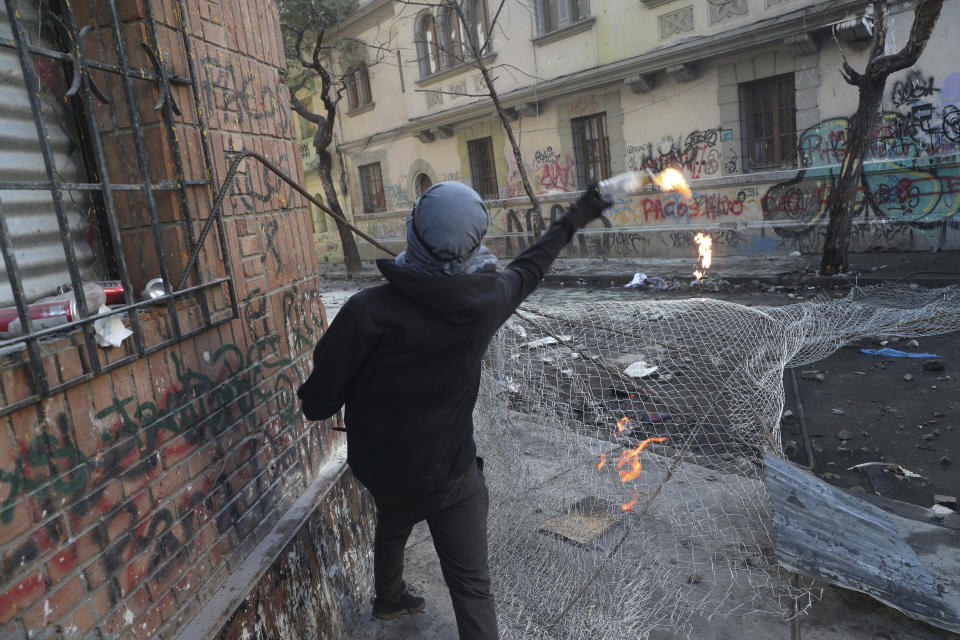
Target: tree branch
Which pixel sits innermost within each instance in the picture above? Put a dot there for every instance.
(924, 19)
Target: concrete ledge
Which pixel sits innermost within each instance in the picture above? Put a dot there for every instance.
(306, 578)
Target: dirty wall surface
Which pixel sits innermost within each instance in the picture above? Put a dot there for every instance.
(128, 498)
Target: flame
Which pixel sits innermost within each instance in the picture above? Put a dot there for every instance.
(622, 423)
(672, 180)
(603, 460)
(628, 506)
(705, 251)
(631, 457)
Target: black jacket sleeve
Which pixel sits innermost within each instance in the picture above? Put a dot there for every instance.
(337, 358)
(527, 270)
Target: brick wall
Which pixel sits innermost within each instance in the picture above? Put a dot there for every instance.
(125, 499)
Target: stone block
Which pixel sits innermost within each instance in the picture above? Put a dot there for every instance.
(807, 118)
(807, 98)
(729, 114)
(764, 65)
(727, 74)
(807, 79)
(745, 71)
(784, 63)
(727, 94)
(810, 61)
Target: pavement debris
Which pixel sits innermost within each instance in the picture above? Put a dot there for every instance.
(896, 353)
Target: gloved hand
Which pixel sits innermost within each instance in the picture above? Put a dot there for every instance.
(588, 207)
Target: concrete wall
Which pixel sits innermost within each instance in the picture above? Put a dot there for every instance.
(126, 501)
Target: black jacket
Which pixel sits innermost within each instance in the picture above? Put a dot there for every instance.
(404, 358)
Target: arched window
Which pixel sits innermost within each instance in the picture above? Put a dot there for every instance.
(427, 50)
(421, 183)
(475, 12)
(451, 37)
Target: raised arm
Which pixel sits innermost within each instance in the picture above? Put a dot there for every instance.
(527, 270)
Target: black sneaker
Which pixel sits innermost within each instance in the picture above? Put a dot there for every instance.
(407, 604)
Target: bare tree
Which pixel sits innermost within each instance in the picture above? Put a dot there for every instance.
(307, 25)
(871, 83)
(476, 46)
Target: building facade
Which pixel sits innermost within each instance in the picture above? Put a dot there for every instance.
(745, 97)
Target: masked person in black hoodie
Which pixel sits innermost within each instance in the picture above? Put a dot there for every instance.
(404, 359)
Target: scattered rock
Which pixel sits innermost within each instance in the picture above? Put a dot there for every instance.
(830, 477)
(790, 448)
(844, 451)
(914, 286)
(831, 464)
(929, 436)
(946, 461)
(908, 377)
(865, 434)
(694, 578)
(819, 377)
(843, 434)
(913, 344)
(787, 415)
(939, 511)
(838, 412)
(934, 365)
(857, 489)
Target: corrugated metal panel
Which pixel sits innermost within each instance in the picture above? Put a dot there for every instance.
(829, 534)
(30, 215)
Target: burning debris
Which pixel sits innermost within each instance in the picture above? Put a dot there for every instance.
(705, 251)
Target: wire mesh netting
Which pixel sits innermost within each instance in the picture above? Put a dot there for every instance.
(628, 439)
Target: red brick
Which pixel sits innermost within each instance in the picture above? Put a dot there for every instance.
(215, 34)
(78, 622)
(21, 595)
(56, 605)
(125, 615)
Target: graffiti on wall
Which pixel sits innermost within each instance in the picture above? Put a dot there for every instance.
(696, 155)
(910, 175)
(147, 536)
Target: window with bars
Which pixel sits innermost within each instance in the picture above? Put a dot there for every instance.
(591, 149)
(358, 87)
(483, 167)
(90, 220)
(769, 115)
(371, 188)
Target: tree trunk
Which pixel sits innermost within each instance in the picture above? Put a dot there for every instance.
(843, 199)
(351, 255)
(517, 155)
(842, 204)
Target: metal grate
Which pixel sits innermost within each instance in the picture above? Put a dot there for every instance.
(769, 119)
(141, 218)
(483, 168)
(591, 148)
(371, 187)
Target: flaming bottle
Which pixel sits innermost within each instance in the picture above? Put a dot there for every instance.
(625, 185)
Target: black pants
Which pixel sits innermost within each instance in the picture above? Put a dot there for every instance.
(457, 518)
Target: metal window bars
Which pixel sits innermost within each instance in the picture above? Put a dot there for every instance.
(591, 148)
(483, 167)
(86, 94)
